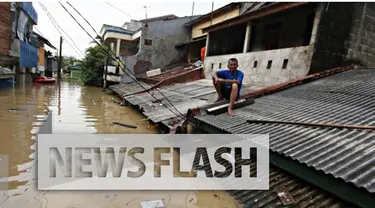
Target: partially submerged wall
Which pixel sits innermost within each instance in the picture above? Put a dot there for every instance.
(265, 68)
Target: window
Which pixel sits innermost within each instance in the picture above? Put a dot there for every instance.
(212, 66)
(148, 42)
(220, 66)
(227, 41)
(117, 69)
(271, 40)
(255, 65)
(269, 64)
(285, 63)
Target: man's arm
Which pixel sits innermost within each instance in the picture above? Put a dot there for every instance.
(214, 75)
(229, 81)
(236, 81)
(217, 74)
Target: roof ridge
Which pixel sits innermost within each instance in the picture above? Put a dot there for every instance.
(282, 86)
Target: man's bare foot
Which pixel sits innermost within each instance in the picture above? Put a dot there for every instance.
(218, 99)
(231, 112)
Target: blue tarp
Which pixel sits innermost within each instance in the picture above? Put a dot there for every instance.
(29, 9)
(28, 55)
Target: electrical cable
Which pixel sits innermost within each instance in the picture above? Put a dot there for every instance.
(58, 28)
(122, 62)
(181, 115)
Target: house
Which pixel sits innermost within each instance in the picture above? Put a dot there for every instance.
(16, 42)
(43, 54)
(278, 42)
(144, 45)
(75, 72)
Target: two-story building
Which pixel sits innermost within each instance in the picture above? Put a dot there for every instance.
(278, 42)
(17, 45)
(198, 38)
(43, 54)
(145, 45)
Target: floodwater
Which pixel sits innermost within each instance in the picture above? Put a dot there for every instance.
(75, 109)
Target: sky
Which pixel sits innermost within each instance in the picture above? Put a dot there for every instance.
(103, 12)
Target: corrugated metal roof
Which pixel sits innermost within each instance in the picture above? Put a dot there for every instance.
(344, 98)
(183, 96)
(303, 194)
(260, 6)
(6, 71)
(294, 193)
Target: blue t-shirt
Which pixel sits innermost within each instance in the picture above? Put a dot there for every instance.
(227, 74)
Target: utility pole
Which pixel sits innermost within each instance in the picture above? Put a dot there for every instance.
(106, 72)
(60, 59)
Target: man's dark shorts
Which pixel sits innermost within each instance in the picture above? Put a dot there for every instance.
(225, 92)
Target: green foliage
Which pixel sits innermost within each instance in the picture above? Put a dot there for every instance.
(67, 61)
(93, 65)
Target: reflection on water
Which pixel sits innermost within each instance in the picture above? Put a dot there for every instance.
(76, 109)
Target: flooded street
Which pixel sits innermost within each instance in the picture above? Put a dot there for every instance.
(76, 109)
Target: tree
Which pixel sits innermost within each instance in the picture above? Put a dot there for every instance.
(93, 65)
(68, 61)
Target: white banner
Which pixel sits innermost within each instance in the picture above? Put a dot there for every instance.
(153, 162)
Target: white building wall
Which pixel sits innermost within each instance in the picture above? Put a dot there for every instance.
(299, 60)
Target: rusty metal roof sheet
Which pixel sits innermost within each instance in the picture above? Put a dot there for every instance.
(127, 89)
(172, 72)
(344, 98)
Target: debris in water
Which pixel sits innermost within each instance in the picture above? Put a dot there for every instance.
(125, 125)
(284, 195)
(216, 196)
(15, 109)
(152, 204)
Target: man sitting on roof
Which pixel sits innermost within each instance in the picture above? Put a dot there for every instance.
(228, 83)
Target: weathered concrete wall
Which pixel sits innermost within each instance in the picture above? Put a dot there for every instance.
(345, 33)
(133, 25)
(164, 36)
(361, 43)
(299, 59)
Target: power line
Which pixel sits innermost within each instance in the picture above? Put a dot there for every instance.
(119, 60)
(44, 35)
(119, 9)
(58, 28)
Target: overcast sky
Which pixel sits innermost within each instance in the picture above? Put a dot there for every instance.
(103, 12)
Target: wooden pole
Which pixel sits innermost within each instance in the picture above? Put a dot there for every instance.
(60, 59)
(106, 72)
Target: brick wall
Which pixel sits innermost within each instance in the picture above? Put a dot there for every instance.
(346, 34)
(5, 28)
(334, 31)
(361, 43)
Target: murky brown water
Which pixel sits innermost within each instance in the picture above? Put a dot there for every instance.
(76, 109)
